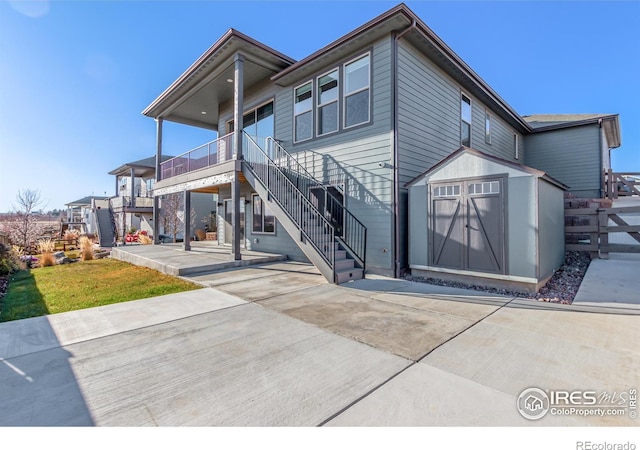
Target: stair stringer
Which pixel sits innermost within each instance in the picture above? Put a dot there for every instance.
(289, 225)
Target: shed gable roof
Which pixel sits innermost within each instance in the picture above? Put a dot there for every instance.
(501, 161)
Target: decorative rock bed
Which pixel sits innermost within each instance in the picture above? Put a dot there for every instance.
(561, 288)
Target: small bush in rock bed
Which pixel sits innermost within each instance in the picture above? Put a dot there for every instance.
(9, 262)
(561, 288)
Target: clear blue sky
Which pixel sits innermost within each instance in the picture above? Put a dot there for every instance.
(75, 75)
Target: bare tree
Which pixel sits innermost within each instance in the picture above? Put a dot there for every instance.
(172, 215)
(23, 227)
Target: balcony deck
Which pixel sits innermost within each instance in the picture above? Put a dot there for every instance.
(208, 165)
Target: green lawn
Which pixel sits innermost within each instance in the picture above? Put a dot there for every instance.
(85, 284)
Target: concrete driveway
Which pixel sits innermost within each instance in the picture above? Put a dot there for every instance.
(276, 345)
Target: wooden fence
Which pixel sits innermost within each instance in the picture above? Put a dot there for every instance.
(618, 184)
(588, 229)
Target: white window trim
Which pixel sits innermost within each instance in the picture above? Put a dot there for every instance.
(295, 141)
(346, 94)
(268, 233)
(463, 94)
(320, 105)
(516, 146)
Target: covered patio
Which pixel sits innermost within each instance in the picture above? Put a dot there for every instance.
(204, 256)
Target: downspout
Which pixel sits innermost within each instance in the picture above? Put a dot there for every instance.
(396, 157)
(602, 179)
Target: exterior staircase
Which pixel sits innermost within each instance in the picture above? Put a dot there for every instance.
(106, 234)
(329, 235)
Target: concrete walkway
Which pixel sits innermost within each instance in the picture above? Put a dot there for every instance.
(614, 282)
(276, 345)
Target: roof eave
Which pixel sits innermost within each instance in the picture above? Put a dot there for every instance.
(399, 9)
(155, 110)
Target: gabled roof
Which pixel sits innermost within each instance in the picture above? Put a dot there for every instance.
(505, 162)
(548, 122)
(85, 201)
(405, 22)
(141, 167)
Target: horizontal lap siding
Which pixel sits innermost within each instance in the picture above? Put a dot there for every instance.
(501, 136)
(429, 117)
(353, 156)
(428, 114)
(429, 131)
(571, 155)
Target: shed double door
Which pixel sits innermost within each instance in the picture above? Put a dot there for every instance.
(467, 229)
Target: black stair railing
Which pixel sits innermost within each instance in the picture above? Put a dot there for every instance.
(349, 230)
(313, 225)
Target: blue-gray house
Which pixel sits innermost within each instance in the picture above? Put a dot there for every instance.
(314, 157)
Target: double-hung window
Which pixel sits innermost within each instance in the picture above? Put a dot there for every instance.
(465, 120)
(328, 103)
(303, 112)
(263, 219)
(357, 81)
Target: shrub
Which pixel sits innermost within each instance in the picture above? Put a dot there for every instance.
(46, 246)
(71, 235)
(9, 261)
(47, 259)
(144, 239)
(86, 249)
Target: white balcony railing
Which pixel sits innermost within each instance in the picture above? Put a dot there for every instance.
(209, 154)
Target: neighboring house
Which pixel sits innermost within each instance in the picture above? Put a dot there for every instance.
(574, 148)
(80, 214)
(132, 206)
(314, 156)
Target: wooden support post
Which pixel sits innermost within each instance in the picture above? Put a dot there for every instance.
(594, 235)
(603, 221)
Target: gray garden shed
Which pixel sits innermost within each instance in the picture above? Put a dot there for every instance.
(480, 219)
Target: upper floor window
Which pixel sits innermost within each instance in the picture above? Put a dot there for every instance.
(516, 149)
(328, 103)
(465, 120)
(356, 91)
(303, 112)
(487, 128)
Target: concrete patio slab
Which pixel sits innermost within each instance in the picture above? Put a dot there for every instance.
(394, 323)
(207, 357)
(426, 396)
(20, 337)
(518, 347)
(203, 257)
(243, 365)
(273, 286)
(236, 275)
